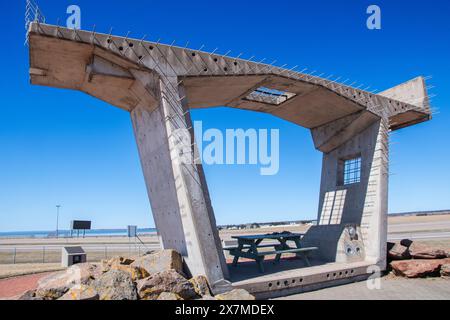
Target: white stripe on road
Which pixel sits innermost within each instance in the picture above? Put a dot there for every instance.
(419, 235)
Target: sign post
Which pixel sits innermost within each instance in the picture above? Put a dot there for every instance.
(80, 225)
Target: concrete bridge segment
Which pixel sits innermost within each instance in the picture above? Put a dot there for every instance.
(158, 84)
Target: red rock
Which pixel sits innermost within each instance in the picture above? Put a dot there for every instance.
(398, 252)
(445, 270)
(406, 242)
(418, 268)
(421, 251)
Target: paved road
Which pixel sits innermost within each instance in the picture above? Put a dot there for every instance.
(419, 235)
(414, 235)
(87, 247)
(390, 289)
(419, 226)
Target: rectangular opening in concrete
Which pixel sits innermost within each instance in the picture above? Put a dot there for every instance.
(349, 170)
(269, 96)
(352, 171)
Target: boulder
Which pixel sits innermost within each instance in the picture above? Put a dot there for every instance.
(201, 285)
(136, 273)
(169, 296)
(29, 295)
(57, 284)
(54, 286)
(418, 268)
(115, 261)
(236, 294)
(421, 251)
(389, 245)
(207, 298)
(104, 265)
(406, 242)
(165, 281)
(82, 292)
(86, 271)
(115, 285)
(445, 270)
(160, 261)
(127, 261)
(398, 252)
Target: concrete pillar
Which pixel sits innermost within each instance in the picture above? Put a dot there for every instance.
(361, 206)
(177, 190)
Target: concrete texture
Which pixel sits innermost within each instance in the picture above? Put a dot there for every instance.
(292, 276)
(362, 204)
(158, 84)
(176, 191)
(390, 289)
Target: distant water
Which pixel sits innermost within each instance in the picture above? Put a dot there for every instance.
(66, 233)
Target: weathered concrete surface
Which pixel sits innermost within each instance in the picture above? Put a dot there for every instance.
(158, 84)
(413, 92)
(177, 193)
(389, 289)
(418, 268)
(209, 79)
(362, 205)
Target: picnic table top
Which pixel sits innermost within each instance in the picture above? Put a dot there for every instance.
(269, 236)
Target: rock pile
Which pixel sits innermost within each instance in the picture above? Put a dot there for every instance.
(154, 276)
(414, 260)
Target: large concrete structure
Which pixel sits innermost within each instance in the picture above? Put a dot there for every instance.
(158, 84)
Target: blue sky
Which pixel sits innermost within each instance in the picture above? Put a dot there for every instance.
(64, 147)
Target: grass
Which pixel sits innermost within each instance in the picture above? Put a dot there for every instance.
(15, 270)
(54, 256)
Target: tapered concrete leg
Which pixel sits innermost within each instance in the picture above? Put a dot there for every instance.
(177, 190)
(360, 206)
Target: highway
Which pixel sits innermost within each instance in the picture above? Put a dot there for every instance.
(435, 235)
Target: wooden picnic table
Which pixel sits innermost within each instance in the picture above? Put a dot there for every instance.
(248, 246)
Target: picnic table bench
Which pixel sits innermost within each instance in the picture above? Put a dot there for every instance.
(248, 247)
